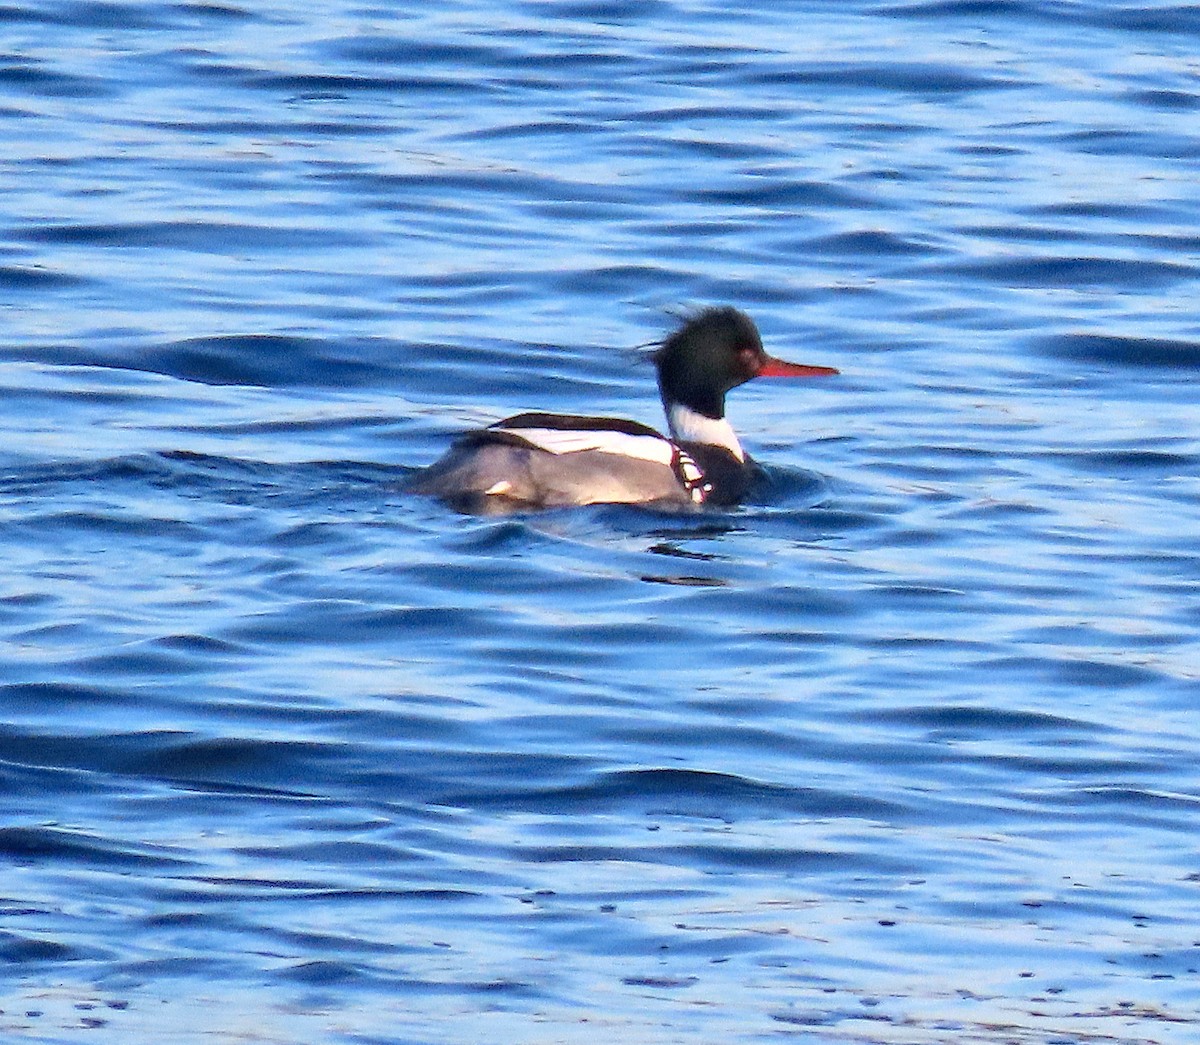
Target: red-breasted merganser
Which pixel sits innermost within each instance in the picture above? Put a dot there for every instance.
(553, 460)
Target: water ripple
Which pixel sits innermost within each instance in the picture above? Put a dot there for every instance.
(287, 747)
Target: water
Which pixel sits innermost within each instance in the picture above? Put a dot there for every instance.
(906, 753)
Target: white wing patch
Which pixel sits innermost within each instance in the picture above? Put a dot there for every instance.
(573, 441)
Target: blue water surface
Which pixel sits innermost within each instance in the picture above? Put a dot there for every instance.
(905, 753)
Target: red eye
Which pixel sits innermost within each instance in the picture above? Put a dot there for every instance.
(748, 360)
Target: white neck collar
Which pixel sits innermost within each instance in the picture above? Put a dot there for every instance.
(688, 426)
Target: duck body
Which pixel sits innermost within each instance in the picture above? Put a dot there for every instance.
(540, 460)
(559, 460)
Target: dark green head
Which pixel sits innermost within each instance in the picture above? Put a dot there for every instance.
(712, 352)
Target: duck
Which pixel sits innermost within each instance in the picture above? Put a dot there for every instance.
(535, 460)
